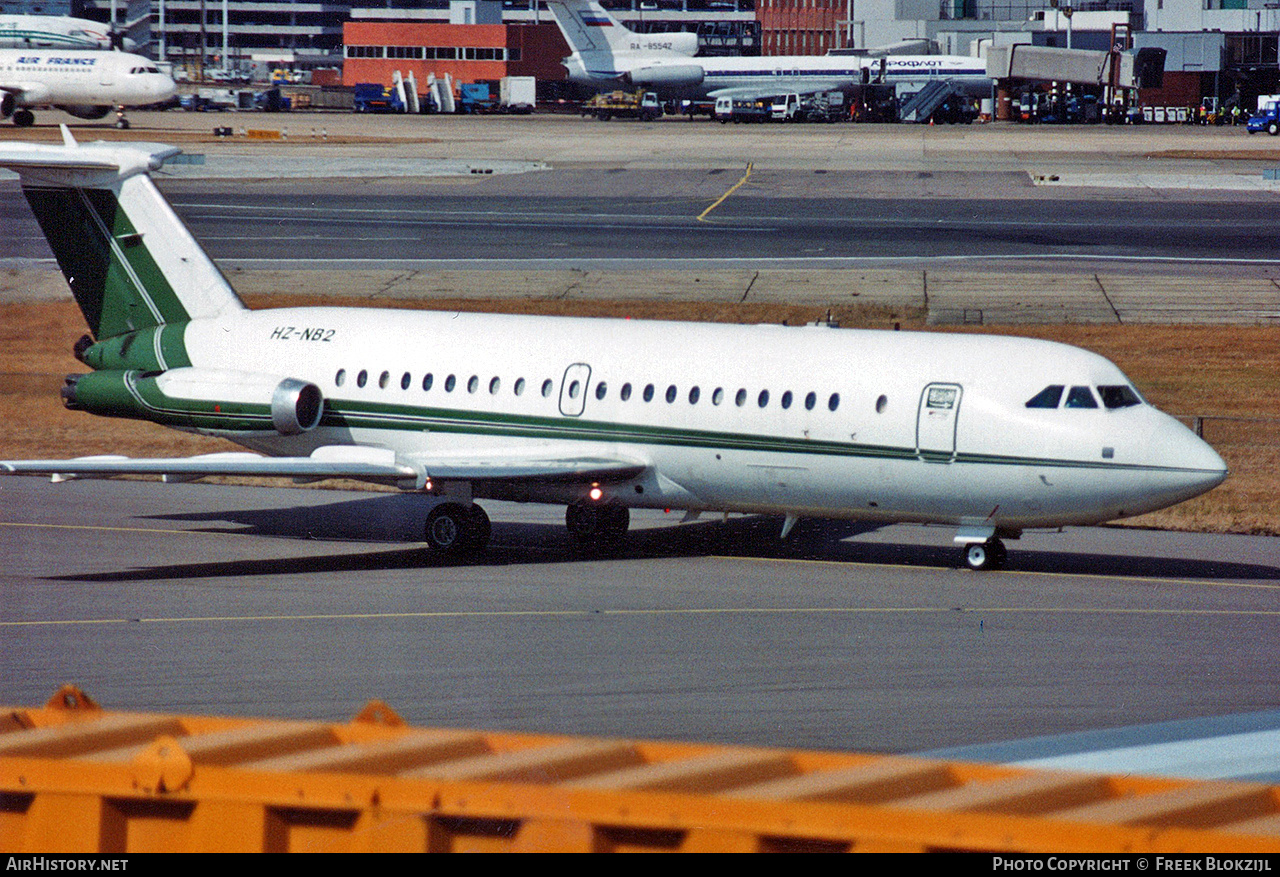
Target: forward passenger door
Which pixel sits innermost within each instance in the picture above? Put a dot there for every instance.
(936, 422)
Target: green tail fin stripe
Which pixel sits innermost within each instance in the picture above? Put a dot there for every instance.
(112, 274)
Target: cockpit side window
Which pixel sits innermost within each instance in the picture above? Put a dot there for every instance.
(1119, 396)
(1081, 397)
(1049, 397)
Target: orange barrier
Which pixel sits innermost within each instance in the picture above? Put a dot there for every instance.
(75, 778)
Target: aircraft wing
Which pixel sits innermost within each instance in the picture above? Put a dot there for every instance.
(573, 468)
(19, 90)
(782, 86)
(374, 465)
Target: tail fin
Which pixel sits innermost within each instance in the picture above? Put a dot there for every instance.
(588, 27)
(129, 260)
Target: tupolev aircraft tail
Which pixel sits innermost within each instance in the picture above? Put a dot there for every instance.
(130, 261)
(588, 27)
(591, 30)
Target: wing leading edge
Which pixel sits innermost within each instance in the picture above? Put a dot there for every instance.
(363, 464)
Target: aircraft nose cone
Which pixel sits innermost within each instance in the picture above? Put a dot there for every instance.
(1198, 468)
(1205, 465)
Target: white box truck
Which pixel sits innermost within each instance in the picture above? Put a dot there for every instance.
(517, 94)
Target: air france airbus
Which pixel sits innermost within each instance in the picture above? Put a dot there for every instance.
(989, 435)
(85, 84)
(606, 54)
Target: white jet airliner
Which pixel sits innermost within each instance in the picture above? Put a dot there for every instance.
(605, 53)
(85, 84)
(58, 32)
(989, 435)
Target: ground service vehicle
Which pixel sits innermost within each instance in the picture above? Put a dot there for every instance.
(517, 94)
(371, 97)
(1268, 120)
(784, 108)
(642, 105)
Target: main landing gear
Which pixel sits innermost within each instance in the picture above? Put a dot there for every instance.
(990, 554)
(454, 528)
(600, 525)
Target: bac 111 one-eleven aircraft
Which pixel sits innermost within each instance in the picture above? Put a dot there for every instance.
(989, 435)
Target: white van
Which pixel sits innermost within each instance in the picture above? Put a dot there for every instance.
(724, 110)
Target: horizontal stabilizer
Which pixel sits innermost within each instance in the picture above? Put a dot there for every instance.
(83, 164)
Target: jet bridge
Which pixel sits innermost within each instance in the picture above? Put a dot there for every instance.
(1142, 68)
(77, 778)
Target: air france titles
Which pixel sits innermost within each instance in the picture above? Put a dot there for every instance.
(57, 61)
(1132, 863)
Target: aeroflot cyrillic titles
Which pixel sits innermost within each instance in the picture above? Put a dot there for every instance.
(988, 435)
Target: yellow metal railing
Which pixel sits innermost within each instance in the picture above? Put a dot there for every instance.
(75, 778)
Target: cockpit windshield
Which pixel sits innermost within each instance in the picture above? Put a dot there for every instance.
(1049, 397)
(1119, 396)
(1081, 397)
(1112, 396)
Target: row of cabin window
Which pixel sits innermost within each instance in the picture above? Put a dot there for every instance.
(601, 390)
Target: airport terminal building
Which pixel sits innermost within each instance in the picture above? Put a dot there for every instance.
(1222, 48)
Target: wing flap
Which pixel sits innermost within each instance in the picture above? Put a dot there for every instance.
(374, 465)
(540, 469)
(782, 87)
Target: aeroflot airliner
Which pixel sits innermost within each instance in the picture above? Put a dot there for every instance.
(607, 54)
(989, 435)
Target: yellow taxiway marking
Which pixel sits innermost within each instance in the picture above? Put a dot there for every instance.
(702, 217)
(583, 613)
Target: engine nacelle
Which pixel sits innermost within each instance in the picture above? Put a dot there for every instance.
(296, 407)
(685, 43)
(200, 398)
(8, 103)
(668, 75)
(86, 111)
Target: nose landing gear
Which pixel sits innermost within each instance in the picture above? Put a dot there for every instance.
(987, 555)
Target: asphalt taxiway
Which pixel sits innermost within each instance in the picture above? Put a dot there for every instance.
(217, 599)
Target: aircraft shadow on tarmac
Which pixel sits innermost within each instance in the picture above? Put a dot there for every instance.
(396, 520)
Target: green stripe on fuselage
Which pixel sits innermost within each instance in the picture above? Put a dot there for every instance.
(112, 275)
(352, 415)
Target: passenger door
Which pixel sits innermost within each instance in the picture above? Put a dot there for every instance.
(573, 389)
(936, 422)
